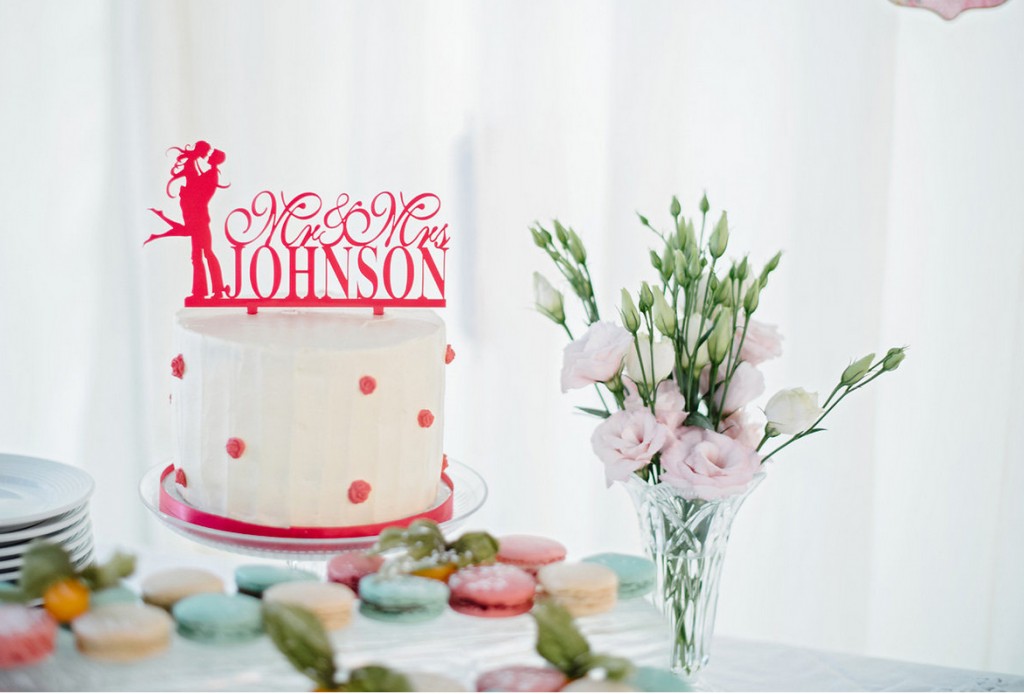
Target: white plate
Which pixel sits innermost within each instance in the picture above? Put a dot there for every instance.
(64, 538)
(35, 489)
(75, 548)
(61, 523)
(80, 559)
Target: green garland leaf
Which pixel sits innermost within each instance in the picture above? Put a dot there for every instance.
(43, 564)
(300, 636)
(110, 573)
(475, 548)
(374, 678)
(559, 641)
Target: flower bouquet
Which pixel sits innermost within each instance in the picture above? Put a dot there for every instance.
(676, 380)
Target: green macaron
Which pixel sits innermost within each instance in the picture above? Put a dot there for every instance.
(402, 598)
(114, 594)
(218, 618)
(637, 575)
(253, 579)
(652, 679)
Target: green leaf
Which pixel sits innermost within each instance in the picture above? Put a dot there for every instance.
(475, 548)
(44, 564)
(424, 538)
(559, 641)
(374, 678)
(420, 540)
(615, 668)
(696, 419)
(110, 573)
(300, 636)
(603, 414)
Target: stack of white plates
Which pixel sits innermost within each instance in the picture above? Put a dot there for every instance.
(42, 500)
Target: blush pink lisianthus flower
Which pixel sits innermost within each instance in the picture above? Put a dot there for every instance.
(703, 464)
(626, 442)
(746, 384)
(745, 426)
(669, 403)
(594, 357)
(763, 342)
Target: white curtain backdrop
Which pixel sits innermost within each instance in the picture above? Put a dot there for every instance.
(878, 146)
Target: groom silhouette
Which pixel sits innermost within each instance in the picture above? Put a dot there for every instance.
(194, 199)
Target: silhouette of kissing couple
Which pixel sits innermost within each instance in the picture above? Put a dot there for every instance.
(196, 168)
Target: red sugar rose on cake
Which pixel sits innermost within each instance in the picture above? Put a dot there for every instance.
(235, 447)
(178, 366)
(359, 491)
(367, 384)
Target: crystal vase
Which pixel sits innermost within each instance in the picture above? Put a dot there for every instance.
(686, 539)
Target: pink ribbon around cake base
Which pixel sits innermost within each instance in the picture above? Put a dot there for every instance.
(179, 509)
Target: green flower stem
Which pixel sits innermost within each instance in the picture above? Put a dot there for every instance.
(650, 339)
(731, 367)
(764, 439)
(831, 395)
(641, 388)
(813, 429)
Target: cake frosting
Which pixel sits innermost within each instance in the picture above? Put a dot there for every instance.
(309, 418)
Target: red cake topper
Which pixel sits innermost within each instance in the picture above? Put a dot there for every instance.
(299, 251)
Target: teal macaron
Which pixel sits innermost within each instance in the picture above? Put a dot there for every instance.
(114, 594)
(402, 598)
(218, 618)
(253, 579)
(652, 679)
(637, 575)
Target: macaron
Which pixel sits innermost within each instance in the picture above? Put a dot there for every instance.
(583, 589)
(330, 602)
(123, 632)
(588, 684)
(26, 635)
(164, 588)
(637, 575)
(112, 596)
(402, 598)
(521, 678)
(496, 590)
(218, 618)
(253, 579)
(652, 679)
(529, 552)
(348, 567)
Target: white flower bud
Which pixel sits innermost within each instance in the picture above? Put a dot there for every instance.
(664, 316)
(630, 316)
(720, 341)
(792, 411)
(719, 237)
(664, 360)
(548, 299)
(857, 370)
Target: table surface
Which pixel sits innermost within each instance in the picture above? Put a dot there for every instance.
(461, 647)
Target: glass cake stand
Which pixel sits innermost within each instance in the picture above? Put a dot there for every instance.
(469, 490)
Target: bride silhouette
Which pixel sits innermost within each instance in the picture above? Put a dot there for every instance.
(194, 197)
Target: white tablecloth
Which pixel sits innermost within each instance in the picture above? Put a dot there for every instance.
(462, 646)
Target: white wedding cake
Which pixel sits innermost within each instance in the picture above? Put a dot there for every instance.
(317, 418)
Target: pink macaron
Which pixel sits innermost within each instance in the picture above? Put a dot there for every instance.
(529, 552)
(26, 635)
(498, 590)
(348, 567)
(521, 678)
